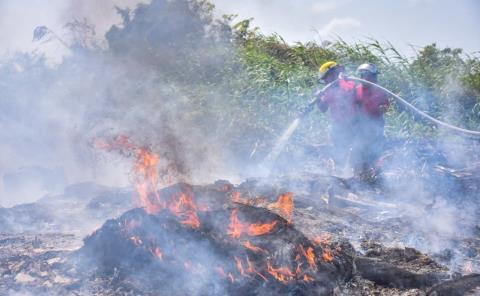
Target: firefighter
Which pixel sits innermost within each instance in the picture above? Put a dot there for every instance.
(371, 104)
(339, 99)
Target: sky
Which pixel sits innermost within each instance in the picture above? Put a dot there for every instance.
(404, 23)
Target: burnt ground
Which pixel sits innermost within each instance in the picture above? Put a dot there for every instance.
(411, 234)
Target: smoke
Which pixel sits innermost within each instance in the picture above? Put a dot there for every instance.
(19, 18)
(136, 82)
(156, 76)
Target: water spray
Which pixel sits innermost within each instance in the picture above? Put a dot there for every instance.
(282, 141)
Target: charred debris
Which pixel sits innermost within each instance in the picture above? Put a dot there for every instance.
(302, 234)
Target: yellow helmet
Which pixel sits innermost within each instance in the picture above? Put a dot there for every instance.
(326, 67)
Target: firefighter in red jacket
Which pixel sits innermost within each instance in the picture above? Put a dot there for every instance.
(340, 99)
(371, 104)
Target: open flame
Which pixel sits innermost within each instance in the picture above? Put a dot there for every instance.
(185, 209)
(307, 278)
(145, 170)
(324, 240)
(327, 255)
(282, 274)
(250, 268)
(284, 205)
(236, 228)
(183, 206)
(309, 255)
(146, 180)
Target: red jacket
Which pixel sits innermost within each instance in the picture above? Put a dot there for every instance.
(371, 101)
(341, 101)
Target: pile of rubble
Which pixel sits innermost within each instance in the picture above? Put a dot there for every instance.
(257, 238)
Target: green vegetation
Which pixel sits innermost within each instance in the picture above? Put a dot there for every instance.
(225, 78)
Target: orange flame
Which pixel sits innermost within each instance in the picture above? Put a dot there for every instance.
(236, 228)
(253, 248)
(327, 255)
(298, 270)
(260, 229)
(145, 170)
(284, 205)
(184, 208)
(250, 268)
(307, 278)
(282, 274)
(309, 255)
(146, 180)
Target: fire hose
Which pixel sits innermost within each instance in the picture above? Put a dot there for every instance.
(398, 98)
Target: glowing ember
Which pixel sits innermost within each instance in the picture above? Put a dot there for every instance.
(237, 198)
(238, 263)
(307, 278)
(136, 240)
(157, 253)
(298, 270)
(250, 268)
(230, 277)
(282, 274)
(323, 239)
(261, 276)
(284, 205)
(327, 255)
(253, 248)
(311, 257)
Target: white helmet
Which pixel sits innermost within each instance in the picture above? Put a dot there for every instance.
(371, 68)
